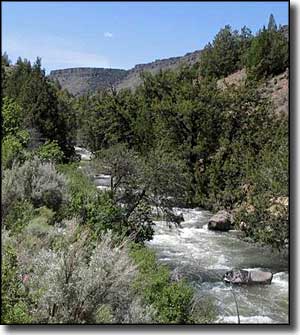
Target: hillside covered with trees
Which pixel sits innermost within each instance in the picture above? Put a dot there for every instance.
(74, 254)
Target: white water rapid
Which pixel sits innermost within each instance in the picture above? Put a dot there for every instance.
(203, 256)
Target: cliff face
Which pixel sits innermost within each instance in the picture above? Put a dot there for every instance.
(133, 79)
(79, 81)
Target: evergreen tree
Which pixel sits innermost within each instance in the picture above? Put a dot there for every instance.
(221, 57)
(38, 97)
(268, 54)
(272, 24)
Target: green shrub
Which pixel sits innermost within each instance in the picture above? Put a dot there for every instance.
(11, 117)
(50, 152)
(19, 215)
(101, 211)
(12, 150)
(14, 307)
(39, 225)
(267, 223)
(104, 314)
(171, 300)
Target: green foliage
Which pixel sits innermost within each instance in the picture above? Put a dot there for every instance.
(14, 310)
(268, 54)
(272, 24)
(50, 151)
(19, 215)
(102, 212)
(43, 109)
(170, 299)
(268, 224)
(203, 311)
(191, 143)
(225, 54)
(11, 117)
(104, 314)
(12, 150)
(14, 138)
(5, 60)
(80, 189)
(269, 179)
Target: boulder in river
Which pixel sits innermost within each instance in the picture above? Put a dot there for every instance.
(248, 277)
(220, 221)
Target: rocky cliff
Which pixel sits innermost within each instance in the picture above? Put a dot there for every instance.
(79, 81)
(133, 79)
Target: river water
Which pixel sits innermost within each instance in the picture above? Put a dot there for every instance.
(203, 256)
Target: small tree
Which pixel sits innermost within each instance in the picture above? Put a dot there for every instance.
(221, 57)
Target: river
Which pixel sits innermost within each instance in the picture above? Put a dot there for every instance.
(203, 256)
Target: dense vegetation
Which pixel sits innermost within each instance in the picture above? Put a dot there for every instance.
(74, 254)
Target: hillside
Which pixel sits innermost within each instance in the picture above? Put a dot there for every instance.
(79, 81)
(276, 88)
(133, 78)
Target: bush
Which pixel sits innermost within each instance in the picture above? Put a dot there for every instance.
(101, 211)
(171, 300)
(36, 182)
(39, 225)
(13, 308)
(19, 215)
(80, 190)
(11, 116)
(266, 223)
(50, 152)
(13, 149)
(78, 283)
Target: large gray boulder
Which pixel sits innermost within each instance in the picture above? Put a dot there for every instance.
(248, 277)
(220, 221)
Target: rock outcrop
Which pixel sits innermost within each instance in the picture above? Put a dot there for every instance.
(79, 81)
(248, 277)
(221, 221)
(133, 77)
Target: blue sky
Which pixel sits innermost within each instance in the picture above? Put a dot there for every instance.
(122, 34)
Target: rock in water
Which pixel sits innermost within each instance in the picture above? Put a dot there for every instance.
(248, 277)
(220, 221)
(261, 277)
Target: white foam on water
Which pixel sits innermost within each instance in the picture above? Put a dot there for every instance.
(102, 188)
(256, 319)
(220, 264)
(281, 279)
(85, 154)
(252, 269)
(220, 288)
(188, 232)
